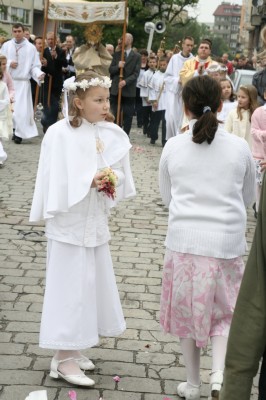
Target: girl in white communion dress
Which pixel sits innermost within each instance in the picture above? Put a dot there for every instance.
(83, 171)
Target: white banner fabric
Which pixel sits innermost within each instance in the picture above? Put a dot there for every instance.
(86, 12)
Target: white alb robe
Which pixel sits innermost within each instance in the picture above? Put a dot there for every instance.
(144, 86)
(29, 66)
(174, 108)
(157, 91)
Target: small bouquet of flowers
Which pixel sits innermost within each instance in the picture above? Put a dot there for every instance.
(108, 183)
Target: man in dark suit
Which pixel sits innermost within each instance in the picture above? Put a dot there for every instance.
(56, 60)
(69, 70)
(131, 68)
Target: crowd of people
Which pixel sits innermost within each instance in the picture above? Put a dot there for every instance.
(213, 158)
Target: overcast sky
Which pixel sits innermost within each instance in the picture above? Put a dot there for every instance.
(206, 8)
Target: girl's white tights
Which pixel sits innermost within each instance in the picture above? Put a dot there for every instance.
(219, 344)
(69, 367)
(191, 354)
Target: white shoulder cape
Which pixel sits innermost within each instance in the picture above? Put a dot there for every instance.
(68, 164)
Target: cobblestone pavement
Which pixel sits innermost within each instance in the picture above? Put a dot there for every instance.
(149, 363)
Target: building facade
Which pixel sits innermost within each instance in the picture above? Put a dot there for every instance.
(227, 19)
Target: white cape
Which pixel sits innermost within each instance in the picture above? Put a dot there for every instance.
(68, 164)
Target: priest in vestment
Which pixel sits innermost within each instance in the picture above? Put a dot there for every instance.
(174, 104)
(23, 63)
(197, 65)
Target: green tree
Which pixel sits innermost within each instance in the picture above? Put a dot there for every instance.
(219, 46)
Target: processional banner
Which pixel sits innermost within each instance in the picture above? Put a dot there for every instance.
(85, 12)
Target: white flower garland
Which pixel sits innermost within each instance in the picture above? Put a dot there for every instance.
(70, 85)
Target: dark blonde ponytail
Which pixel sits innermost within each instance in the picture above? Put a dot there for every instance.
(202, 97)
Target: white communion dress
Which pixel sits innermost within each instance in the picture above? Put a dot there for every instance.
(81, 299)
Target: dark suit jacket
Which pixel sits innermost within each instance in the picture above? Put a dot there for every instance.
(54, 68)
(130, 73)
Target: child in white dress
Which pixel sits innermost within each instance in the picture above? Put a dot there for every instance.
(81, 299)
(4, 106)
(228, 99)
(238, 120)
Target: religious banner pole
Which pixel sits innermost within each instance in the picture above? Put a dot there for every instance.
(50, 76)
(46, 7)
(121, 75)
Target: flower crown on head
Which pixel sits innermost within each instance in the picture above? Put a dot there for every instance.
(72, 86)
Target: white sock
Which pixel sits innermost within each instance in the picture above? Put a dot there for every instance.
(191, 354)
(219, 344)
(70, 367)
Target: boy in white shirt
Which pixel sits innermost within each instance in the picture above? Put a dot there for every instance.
(144, 93)
(157, 97)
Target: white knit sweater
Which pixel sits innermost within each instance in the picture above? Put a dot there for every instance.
(207, 188)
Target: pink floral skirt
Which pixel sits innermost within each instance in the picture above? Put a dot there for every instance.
(199, 295)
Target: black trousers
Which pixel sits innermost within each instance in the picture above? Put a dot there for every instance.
(139, 108)
(127, 110)
(50, 114)
(262, 381)
(147, 112)
(156, 118)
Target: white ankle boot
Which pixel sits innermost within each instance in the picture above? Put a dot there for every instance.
(216, 382)
(191, 393)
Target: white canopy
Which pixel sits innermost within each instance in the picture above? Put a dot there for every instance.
(85, 12)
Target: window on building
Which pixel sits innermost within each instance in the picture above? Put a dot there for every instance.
(3, 13)
(20, 15)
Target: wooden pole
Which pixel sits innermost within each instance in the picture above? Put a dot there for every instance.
(121, 74)
(50, 76)
(46, 6)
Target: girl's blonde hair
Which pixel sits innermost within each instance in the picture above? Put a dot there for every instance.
(73, 111)
(252, 94)
(2, 57)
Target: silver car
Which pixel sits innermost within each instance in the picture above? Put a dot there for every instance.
(242, 77)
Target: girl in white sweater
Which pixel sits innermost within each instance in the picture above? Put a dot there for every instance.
(207, 178)
(238, 120)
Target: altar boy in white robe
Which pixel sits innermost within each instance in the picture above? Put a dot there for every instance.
(144, 94)
(23, 63)
(157, 97)
(174, 107)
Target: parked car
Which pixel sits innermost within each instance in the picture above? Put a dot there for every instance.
(242, 77)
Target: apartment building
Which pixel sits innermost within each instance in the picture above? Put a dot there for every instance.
(29, 12)
(227, 18)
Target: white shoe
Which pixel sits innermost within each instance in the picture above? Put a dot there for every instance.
(80, 380)
(85, 363)
(216, 382)
(192, 393)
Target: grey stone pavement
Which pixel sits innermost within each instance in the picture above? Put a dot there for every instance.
(148, 362)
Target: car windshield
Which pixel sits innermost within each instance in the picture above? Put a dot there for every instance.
(245, 80)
